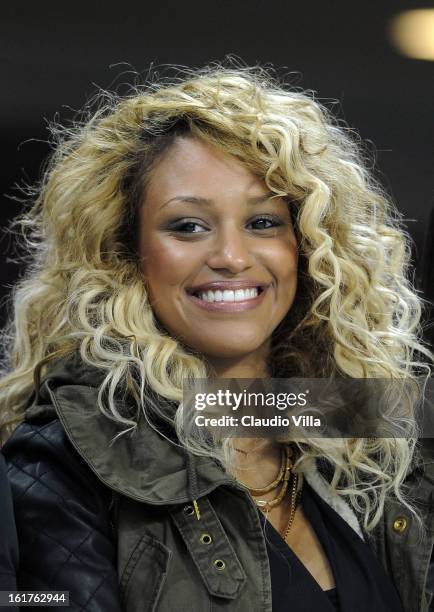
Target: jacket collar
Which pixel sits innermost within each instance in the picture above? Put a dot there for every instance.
(144, 465)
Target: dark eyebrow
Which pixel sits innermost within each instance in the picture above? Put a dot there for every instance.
(205, 201)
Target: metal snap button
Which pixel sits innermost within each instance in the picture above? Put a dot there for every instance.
(400, 524)
(219, 564)
(205, 538)
(189, 510)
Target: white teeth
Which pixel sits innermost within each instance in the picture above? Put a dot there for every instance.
(238, 295)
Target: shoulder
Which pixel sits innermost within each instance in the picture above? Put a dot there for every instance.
(42, 463)
(40, 452)
(62, 517)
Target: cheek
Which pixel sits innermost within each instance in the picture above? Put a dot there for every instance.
(282, 260)
(167, 264)
(292, 259)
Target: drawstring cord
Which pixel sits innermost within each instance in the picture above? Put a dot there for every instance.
(196, 509)
(192, 482)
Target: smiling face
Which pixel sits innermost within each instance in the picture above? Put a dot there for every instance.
(218, 254)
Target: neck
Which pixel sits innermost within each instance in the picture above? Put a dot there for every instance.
(257, 461)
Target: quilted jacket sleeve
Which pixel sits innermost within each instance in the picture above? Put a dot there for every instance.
(8, 535)
(66, 541)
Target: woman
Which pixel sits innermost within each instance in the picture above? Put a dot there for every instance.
(219, 226)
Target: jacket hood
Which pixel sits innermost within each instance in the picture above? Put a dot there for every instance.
(144, 465)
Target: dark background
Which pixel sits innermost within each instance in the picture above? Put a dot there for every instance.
(55, 54)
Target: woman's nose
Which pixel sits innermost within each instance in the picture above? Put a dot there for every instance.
(231, 250)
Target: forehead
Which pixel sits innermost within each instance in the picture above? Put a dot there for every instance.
(194, 167)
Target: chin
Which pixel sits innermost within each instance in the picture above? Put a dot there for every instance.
(229, 349)
(228, 352)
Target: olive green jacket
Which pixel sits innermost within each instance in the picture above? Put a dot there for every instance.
(166, 500)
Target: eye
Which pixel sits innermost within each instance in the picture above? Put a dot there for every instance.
(266, 222)
(186, 226)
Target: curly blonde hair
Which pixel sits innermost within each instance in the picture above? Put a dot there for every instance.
(83, 290)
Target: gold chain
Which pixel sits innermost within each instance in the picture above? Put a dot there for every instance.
(273, 485)
(285, 473)
(284, 479)
(295, 497)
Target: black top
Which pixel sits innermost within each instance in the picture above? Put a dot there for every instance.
(362, 585)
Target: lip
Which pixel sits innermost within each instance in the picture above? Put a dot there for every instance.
(228, 285)
(230, 307)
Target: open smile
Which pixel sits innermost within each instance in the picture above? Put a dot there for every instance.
(223, 299)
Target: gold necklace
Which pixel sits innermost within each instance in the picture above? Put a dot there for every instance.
(273, 503)
(267, 505)
(277, 481)
(295, 498)
(282, 479)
